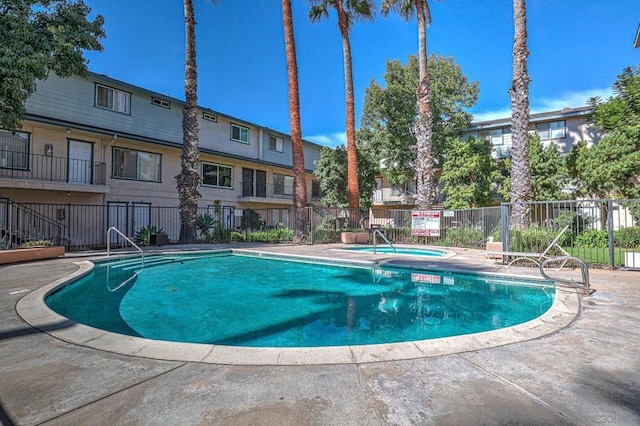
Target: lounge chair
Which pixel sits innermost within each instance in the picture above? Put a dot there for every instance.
(536, 258)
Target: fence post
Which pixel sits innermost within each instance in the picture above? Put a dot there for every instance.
(610, 232)
(504, 225)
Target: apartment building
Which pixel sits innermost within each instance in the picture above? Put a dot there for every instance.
(103, 142)
(564, 128)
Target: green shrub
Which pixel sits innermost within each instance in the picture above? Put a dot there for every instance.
(324, 235)
(532, 239)
(592, 239)
(463, 237)
(37, 243)
(627, 237)
(204, 224)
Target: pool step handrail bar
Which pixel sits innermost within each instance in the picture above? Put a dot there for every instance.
(117, 231)
(378, 232)
(584, 284)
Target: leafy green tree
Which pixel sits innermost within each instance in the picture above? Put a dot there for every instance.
(331, 170)
(468, 174)
(549, 174)
(548, 170)
(612, 167)
(621, 110)
(425, 162)
(390, 112)
(39, 37)
(348, 12)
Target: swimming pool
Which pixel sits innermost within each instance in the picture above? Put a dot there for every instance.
(233, 300)
(413, 251)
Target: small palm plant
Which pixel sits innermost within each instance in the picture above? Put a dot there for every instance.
(204, 224)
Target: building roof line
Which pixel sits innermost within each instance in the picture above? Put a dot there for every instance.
(155, 94)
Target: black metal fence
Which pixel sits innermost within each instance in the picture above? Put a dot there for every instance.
(601, 232)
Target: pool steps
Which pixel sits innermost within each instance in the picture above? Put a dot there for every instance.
(137, 263)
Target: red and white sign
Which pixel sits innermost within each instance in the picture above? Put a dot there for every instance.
(425, 223)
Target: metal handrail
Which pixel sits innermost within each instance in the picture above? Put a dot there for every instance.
(583, 266)
(377, 231)
(113, 228)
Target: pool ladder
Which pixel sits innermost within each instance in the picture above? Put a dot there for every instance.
(584, 284)
(378, 232)
(135, 274)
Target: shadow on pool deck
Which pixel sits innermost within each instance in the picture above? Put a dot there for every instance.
(587, 373)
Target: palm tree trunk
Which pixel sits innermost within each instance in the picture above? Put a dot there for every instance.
(188, 179)
(352, 150)
(425, 163)
(299, 181)
(519, 92)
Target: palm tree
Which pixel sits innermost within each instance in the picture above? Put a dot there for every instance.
(425, 162)
(299, 181)
(348, 12)
(519, 92)
(189, 178)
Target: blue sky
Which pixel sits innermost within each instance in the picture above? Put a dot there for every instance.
(577, 49)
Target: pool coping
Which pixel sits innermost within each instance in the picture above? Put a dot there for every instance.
(33, 309)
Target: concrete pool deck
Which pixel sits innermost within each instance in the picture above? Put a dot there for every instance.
(588, 372)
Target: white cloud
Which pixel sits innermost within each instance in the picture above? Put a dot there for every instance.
(331, 140)
(567, 99)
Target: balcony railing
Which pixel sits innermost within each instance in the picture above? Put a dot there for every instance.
(25, 166)
(393, 195)
(269, 190)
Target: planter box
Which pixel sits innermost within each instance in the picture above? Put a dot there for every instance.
(632, 260)
(354, 237)
(31, 253)
(494, 246)
(159, 239)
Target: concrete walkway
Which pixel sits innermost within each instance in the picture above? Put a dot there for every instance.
(586, 373)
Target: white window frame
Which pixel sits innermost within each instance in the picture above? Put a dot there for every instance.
(119, 101)
(284, 188)
(209, 117)
(217, 174)
(163, 103)
(278, 143)
(556, 130)
(240, 133)
(141, 157)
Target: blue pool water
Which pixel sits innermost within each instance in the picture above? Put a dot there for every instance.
(414, 251)
(254, 301)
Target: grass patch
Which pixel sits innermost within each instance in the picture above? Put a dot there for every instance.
(597, 256)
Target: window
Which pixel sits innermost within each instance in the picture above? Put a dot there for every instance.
(239, 133)
(138, 165)
(217, 175)
(14, 150)
(161, 102)
(315, 188)
(210, 117)
(495, 136)
(113, 99)
(275, 143)
(551, 130)
(282, 184)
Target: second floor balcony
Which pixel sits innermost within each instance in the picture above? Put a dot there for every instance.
(16, 166)
(269, 193)
(393, 195)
